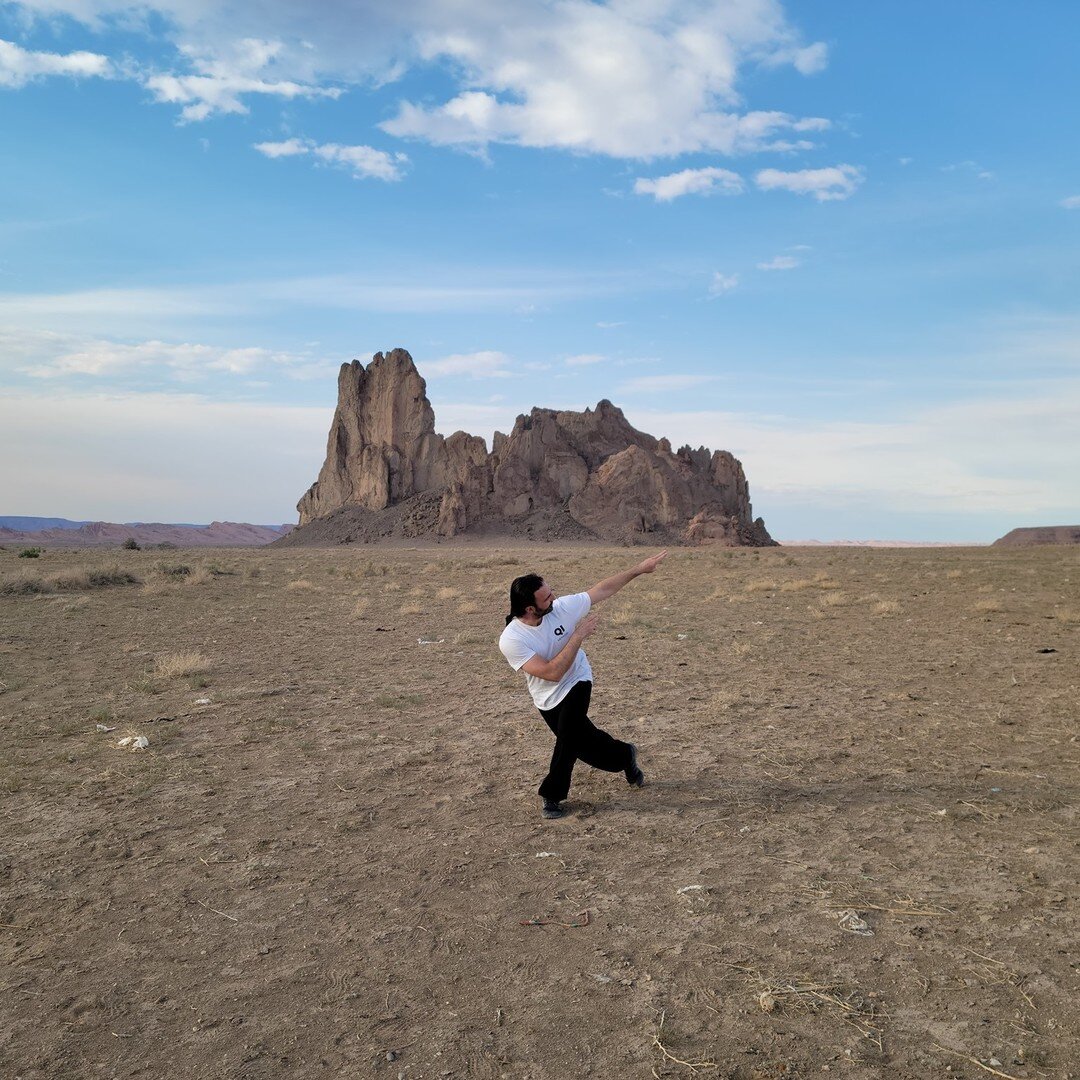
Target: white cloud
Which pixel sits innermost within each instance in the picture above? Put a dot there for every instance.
(183, 310)
(691, 182)
(585, 359)
(609, 325)
(248, 65)
(18, 66)
(50, 355)
(486, 364)
(626, 78)
(780, 262)
(1071, 203)
(364, 161)
(837, 182)
(722, 283)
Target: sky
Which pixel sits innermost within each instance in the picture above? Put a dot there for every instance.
(839, 240)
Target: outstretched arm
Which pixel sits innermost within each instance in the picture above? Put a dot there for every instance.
(610, 586)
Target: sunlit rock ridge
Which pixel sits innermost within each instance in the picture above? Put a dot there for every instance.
(557, 475)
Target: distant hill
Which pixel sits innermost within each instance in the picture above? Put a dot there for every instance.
(32, 524)
(71, 534)
(1040, 534)
(883, 543)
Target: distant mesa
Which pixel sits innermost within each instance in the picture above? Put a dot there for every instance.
(68, 534)
(558, 475)
(1039, 535)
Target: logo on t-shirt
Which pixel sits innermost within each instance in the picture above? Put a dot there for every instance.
(560, 630)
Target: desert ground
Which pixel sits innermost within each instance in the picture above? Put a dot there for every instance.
(855, 854)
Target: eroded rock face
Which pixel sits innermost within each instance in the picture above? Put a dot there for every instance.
(590, 470)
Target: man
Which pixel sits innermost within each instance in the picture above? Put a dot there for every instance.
(544, 636)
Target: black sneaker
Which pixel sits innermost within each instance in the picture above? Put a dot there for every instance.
(552, 809)
(634, 776)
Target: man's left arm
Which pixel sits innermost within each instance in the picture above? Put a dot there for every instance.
(610, 586)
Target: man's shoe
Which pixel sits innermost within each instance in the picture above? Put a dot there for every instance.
(634, 776)
(552, 809)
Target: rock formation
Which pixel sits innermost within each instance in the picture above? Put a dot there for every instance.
(1038, 535)
(556, 475)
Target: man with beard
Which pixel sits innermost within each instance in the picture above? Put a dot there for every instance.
(544, 636)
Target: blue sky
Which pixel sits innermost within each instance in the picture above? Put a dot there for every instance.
(839, 240)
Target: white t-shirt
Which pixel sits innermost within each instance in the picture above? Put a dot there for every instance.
(520, 642)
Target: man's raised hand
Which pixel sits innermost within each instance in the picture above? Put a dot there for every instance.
(649, 565)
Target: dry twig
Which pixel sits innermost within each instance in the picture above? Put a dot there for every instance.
(974, 1061)
(693, 1066)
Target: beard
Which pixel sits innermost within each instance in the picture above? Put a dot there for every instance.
(547, 611)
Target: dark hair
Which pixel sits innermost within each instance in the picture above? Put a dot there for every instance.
(523, 594)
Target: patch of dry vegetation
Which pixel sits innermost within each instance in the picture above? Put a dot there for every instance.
(180, 664)
(29, 584)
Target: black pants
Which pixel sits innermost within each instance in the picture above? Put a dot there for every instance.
(576, 736)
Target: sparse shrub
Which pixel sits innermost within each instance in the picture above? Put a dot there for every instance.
(24, 585)
(833, 599)
(131, 544)
(987, 606)
(411, 609)
(101, 716)
(199, 682)
(144, 686)
(797, 586)
(760, 586)
(31, 553)
(176, 665)
(199, 576)
(1067, 615)
(887, 607)
(67, 581)
(101, 579)
(174, 570)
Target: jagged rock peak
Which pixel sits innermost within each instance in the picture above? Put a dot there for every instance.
(558, 473)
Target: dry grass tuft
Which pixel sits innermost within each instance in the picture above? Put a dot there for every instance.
(887, 607)
(741, 648)
(1067, 615)
(67, 581)
(760, 586)
(986, 606)
(954, 574)
(199, 576)
(411, 609)
(448, 592)
(302, 585)
(834, 599)
(470, 607)
(797, 586)
(361, 605)
(180, 665)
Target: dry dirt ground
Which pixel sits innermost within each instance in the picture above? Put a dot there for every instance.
(329, 860)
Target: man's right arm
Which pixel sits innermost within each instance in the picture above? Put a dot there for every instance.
(554, 669)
